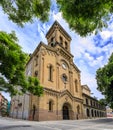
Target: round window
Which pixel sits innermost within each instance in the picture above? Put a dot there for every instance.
(64, 78)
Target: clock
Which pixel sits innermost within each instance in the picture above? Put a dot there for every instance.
(64, 66)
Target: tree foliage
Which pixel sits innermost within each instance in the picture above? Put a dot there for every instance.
(104, 78)
(22, 11)
(83, 16)
(12, 67)
(34, 86)
(103, 102)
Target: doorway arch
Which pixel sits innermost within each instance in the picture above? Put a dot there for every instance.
(88, 112)
(66, 111)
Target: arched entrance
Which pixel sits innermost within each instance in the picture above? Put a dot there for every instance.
(66, 111)
(88, 113)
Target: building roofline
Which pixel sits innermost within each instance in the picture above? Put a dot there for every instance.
(86, 87)
(56, 22)
(90, 97)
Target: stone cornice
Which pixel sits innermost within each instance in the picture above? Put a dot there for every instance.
(38, 48)
(89, 97)
(76, 68)
(62, 93)
(94, 107)
(61, 50)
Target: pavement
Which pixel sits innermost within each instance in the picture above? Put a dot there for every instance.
(87, 124)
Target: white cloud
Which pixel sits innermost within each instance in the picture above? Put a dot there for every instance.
(57, 16)
(89, 57)
(106, 34)
(89, 79)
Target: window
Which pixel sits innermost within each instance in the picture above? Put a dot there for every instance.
(86, 101)
(36, 73)
(64, 78)
(52, 42)
(94, 103)
(36, 61)
(91, 102)
(61, 40)
(66, 45)
(76, 86)
(50, 72)
(50, 105)
(52, 39)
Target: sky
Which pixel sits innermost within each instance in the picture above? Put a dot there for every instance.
(90, 53)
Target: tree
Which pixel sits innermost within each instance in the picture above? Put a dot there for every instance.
(22, 11)
(103, 102)
(34, 86)
(104, 78)
(83, 16)
(12, 67)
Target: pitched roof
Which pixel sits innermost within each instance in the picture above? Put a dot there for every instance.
(57, 23)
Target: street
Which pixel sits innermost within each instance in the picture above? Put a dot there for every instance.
(95, 124)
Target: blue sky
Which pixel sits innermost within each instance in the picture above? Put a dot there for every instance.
(90, 52)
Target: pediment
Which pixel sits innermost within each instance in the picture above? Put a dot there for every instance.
(66, 93)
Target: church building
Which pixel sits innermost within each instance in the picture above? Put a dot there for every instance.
(63, 94)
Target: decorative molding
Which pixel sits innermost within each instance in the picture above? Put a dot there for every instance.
(62, 93)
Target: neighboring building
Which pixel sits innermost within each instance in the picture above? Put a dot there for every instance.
(92, 108)
(109, 112)
(0, 103)
(20, 106)
(53, 65)
(3, 105)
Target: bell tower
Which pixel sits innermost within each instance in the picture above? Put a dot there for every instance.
(57, 35)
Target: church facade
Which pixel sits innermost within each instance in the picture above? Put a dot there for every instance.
(53, 65)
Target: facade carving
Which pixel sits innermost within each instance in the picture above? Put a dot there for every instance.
(64, 96)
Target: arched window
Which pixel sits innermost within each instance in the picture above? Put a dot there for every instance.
(52, 39)
(91, 102)
(36, 73)
(61, 40)
(50, 72)
(87, 101)
(64, 78)
(66, 45)
(50, 105)
(36, 61)
(76, 86)
(52, 42)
